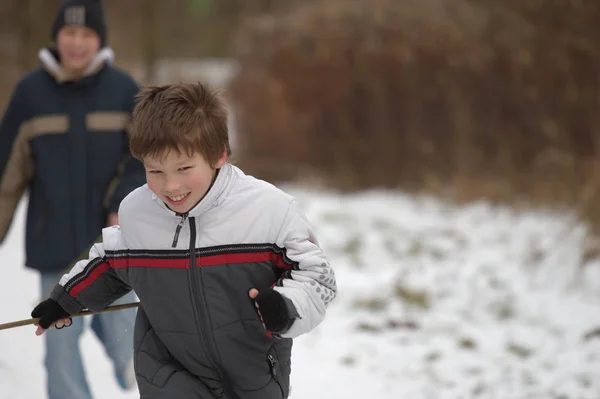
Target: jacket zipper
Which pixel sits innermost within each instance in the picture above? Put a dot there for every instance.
(273, 366)
(195, 292)
(199, 303)
(178, 229)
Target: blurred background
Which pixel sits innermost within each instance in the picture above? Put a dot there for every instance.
(465, 98)
(447, 152)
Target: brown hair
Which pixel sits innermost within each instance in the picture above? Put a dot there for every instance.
(180, 117)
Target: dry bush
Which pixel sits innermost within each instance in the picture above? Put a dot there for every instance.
(334, 86)
(485, 98)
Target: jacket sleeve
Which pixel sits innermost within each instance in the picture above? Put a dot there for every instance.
(93, 283)
(131, 173)
(310, 284)
(16, 166)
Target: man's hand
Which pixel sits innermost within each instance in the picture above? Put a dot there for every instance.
(51, 314)
(271, 308)
(113, 219)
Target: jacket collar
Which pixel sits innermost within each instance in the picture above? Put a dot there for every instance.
(213, 197)
(49, 59)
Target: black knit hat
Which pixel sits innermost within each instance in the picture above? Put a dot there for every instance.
(89, 13)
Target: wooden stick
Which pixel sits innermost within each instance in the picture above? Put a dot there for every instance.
(84, 313)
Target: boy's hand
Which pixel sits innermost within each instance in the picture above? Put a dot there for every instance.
(271, 308)
(51, 314)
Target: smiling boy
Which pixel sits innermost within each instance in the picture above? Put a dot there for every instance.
(226, 266)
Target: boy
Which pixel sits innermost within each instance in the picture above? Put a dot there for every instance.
(226, 266)
(64, 140)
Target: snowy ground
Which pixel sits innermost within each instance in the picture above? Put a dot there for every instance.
(435, 302)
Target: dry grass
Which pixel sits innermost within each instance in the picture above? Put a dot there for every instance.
(466, 99)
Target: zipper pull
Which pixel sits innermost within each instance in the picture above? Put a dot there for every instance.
(178, 230)
(272, 364)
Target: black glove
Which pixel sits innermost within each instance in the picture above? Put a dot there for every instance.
(49, 311)
(273, 310)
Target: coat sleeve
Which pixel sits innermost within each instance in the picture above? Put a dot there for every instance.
(16, 165)
(130, 173)
(310, 285)
(94, 283)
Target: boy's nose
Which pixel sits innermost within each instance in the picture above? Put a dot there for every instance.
(77, 40)
(172, 186)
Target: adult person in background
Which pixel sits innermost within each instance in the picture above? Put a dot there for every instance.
(63, 139)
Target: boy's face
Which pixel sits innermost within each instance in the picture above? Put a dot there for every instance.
(179, 180)
(77, 46)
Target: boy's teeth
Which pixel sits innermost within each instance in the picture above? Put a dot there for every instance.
(178, 198)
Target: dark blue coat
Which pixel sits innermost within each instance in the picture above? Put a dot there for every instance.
(66, 143)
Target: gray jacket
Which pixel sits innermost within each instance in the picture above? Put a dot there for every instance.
(197, 333)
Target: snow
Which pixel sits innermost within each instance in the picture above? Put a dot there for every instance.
(436, 301)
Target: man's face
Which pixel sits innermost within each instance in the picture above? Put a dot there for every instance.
(180, 181)
(77, 46)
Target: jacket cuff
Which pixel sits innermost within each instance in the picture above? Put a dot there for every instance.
(66, 301)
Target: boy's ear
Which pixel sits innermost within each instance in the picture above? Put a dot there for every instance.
(222, 159)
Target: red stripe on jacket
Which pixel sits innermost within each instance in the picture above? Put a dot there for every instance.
(165, 263)
(179, 263)
(97, 272)
(249, 257)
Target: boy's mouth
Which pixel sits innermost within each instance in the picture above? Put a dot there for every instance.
(179, 199)
(77, 55)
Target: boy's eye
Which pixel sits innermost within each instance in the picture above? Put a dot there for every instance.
(154, 172)
(184, 168)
